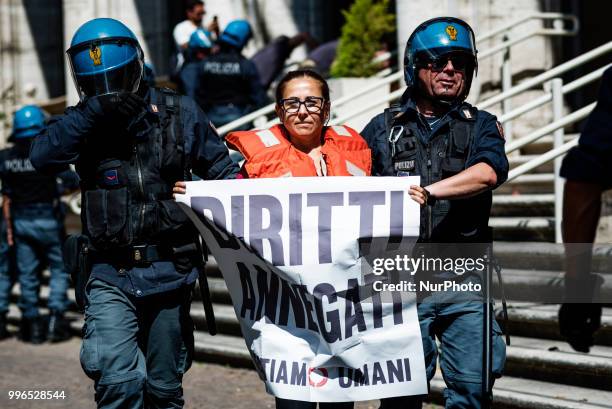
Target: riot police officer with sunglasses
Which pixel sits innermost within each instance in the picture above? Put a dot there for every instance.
(458, 152)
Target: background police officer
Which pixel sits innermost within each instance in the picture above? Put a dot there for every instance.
(131, 143)
(228, 84)
(35, 227)
(199, 47)
(458, 151)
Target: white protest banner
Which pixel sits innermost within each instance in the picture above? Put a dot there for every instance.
(288, 249)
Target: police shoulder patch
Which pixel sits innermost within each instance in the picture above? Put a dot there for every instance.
(500, 128)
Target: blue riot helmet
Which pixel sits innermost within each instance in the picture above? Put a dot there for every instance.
(237, 34)
(105, 58)
(27, 122)
(437, 39)
(199, 45)
(200, 39)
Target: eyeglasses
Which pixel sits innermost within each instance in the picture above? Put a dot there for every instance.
(292, 105)
(460, 62)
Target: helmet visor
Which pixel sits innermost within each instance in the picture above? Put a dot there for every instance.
(106, 67)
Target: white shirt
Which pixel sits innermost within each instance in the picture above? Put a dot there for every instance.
(182, 32)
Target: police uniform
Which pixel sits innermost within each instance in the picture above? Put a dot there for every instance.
(134, 225)
(139, 246)
(37, 230)
(463, 137)
(227, 86)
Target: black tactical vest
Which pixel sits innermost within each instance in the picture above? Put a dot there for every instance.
(24, 184)
(222, 80)
(443, 155)
(127, 183)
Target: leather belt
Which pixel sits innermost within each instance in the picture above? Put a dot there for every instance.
(132, 255)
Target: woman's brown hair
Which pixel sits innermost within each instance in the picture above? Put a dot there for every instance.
(291, 75)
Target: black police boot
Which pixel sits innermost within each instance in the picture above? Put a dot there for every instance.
(3, 331)
(31, 330)
(58, 327)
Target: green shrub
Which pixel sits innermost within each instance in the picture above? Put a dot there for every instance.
(367, 22)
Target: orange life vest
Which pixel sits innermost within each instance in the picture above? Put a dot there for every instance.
(268, 153)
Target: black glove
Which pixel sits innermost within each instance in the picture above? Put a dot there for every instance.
(578, 323)
(124, 106)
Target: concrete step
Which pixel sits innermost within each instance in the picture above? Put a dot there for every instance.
(523, 228)
(556, 362)
(546, 256)
(527, 319)
(523, 205)
(539, 286)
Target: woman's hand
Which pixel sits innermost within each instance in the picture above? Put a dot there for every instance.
(418, 194)
(180, 188)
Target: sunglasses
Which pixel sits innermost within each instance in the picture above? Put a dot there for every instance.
(459, 62)
(292, 105)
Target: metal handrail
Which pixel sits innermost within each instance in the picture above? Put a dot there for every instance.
(534, 16)
(566, 89)
(541, 159)
(510, 42)
(341, 120)
(550, 128)
(548, 75)
(399, 74)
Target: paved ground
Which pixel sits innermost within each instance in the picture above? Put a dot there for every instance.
(56, 367)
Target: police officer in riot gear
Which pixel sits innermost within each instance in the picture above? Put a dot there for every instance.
(228, 85)
(199, 47)
(138, 254)
(35, 227)
(458, 151)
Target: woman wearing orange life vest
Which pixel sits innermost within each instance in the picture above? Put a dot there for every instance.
(301, 145)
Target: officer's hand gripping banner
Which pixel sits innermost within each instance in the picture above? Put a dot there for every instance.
(290, 251)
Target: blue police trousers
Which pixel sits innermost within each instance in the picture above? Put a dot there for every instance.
(458, 327)
(137, 349)
(37, 232)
